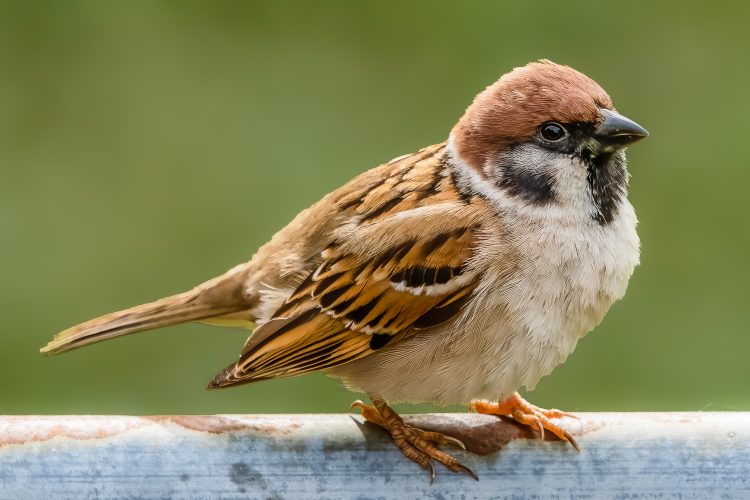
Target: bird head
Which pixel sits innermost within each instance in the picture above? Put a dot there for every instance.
(547, 135)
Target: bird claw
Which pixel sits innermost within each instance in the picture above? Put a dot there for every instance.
(528, 414)
(418, 445)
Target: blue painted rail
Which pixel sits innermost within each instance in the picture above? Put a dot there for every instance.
(624, 455)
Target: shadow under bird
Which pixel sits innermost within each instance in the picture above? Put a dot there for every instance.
(453, 275)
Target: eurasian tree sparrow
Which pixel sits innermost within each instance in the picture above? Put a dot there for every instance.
(465, 270)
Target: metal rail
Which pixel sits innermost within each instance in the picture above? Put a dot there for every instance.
(624, 455)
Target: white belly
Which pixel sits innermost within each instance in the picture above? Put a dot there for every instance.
(518, 328)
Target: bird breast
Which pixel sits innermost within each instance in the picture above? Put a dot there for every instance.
(523, 321)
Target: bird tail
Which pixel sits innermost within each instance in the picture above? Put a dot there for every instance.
(211, 301)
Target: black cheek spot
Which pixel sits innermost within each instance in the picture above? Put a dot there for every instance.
(522, 172)
(536, 187)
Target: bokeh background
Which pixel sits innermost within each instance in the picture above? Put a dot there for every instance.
(148, 146)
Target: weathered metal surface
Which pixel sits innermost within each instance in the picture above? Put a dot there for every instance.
(643, 455)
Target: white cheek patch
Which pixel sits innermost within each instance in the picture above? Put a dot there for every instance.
(571, 197)
(526, 171)
(469, 180)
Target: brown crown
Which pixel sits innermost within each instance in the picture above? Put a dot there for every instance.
(511, 109)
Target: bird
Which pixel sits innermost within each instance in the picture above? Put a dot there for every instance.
(458, 274)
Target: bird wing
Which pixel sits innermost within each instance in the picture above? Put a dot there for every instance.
(387, 274)
(349, 308)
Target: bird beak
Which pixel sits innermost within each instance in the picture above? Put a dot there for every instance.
(616, 132)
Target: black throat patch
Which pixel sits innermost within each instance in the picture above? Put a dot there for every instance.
(607, 177)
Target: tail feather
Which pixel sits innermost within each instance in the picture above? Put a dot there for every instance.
(213, 299)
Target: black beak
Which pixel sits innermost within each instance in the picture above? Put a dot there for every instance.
(617, 132)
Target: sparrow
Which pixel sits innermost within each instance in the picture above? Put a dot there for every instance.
(454, 275)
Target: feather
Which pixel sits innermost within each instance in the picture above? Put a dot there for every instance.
(215, 301)
(368, 293)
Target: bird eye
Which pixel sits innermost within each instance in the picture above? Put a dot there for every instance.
(552, 131)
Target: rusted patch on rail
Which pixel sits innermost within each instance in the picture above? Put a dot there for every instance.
(18, 431)
(216, 424)
(47, 428)
(482, 434)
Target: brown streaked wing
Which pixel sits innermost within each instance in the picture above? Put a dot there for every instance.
(349, 309)
(352, 306)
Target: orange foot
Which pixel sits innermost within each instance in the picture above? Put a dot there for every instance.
(526, 413)
(418, 445)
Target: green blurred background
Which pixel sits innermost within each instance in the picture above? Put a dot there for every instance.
(148, 146)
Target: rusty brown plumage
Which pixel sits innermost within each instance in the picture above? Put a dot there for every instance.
(510, 110)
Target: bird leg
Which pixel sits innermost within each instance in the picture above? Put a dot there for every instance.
(526, 413)
(418, 445)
